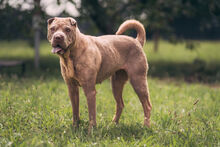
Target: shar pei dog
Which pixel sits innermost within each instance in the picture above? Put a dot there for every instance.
(87, 60)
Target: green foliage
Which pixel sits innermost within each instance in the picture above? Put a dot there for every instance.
(35, 109)
(180, 18)
(20, 25)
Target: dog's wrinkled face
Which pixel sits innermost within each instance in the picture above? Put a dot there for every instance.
(61, 33)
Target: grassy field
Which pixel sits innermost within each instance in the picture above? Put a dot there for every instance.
(35, 109)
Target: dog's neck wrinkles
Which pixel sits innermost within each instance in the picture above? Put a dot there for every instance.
(67, 60)
(67, 64)
(78, 44)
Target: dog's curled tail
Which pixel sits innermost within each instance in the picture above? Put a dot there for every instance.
(133, 24)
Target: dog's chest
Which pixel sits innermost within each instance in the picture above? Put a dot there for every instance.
(67, 68)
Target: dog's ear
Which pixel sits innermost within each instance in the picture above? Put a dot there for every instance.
(72, 21)
(50, 20)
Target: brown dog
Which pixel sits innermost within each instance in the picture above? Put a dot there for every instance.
(87, 60)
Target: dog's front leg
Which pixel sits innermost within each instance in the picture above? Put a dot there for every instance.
(74, 97)
(90, 92)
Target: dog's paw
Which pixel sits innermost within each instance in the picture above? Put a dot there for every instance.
(147, 122)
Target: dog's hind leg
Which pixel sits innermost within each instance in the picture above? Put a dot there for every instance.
(118, 80)
(139, 83)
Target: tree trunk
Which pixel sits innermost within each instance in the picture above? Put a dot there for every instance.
(156, 38)
(36, 27)
(36, 48)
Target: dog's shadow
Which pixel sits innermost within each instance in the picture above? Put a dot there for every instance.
(111, 131)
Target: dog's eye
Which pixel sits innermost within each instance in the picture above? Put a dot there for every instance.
(52, 29)
(68, 30)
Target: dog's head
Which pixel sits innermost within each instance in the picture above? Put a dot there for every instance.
(61, 33)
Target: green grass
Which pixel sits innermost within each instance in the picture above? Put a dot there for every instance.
(204, 50)
(35, 109)
(173, 60)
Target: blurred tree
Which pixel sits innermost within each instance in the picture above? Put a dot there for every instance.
(154, 13)
(181, 18)
(158, 14)
(16, 24)
(27, 23)
(198, 18)
(36, 19)
(104, 13)
(31, 19)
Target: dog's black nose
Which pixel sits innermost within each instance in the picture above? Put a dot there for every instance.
(59, 37)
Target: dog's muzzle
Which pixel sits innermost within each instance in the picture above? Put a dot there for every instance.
(58, 44)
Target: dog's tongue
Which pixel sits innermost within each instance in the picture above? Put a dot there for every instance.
(57, 50)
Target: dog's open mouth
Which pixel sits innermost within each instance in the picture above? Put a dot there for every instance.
(57, 50)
